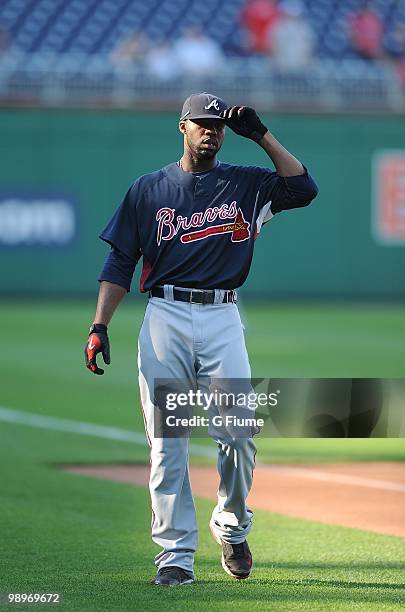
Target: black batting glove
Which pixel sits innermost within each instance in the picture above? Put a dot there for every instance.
(244, 121)
(97, 342)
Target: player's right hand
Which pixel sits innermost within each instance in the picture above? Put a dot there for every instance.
(97, 342)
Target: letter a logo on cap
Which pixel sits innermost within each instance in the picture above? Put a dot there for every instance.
(213, 103)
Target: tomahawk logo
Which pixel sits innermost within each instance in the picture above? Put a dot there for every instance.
(239, 231)
(169, 225)
(213, 103)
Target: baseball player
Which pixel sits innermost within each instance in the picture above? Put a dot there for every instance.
(194, 223)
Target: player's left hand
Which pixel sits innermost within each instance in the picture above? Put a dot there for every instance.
(97, 342)
(244, 121)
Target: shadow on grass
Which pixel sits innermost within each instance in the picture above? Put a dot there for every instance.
(130, 588)
(312, 588)
(346, 584)
(227, 591)
(352, 566)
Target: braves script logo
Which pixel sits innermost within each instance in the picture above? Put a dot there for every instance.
(214, 103)
(169, 226)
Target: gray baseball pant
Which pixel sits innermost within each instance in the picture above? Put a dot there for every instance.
(186, 341)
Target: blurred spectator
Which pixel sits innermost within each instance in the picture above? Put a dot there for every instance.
(161, 62)
(367, 31)
(400, 68)
(130, 51)
(7, 48)
(5, 40)
(292, 38)
(395, 43)
(395, 46)
(238, 44)
(197, 54)
(10, 54)
(258, 17)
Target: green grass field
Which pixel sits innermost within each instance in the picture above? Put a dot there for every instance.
(89, 539)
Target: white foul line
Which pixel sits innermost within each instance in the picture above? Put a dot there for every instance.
(19, 417)
(39, 421)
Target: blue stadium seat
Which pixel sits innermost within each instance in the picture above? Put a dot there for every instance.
(97, 26)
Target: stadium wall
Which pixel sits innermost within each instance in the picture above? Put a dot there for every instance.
(64, 172)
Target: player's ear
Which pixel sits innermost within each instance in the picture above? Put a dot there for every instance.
(182, 127)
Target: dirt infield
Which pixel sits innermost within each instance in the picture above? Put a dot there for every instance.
(367, 496)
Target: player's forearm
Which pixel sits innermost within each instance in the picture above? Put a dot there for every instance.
(110, 295)
(285, 163)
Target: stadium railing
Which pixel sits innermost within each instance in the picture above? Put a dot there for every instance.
(83, 80)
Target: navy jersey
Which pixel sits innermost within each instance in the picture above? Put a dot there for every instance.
(198, 230)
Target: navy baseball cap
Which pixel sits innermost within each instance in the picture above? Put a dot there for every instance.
(202, 106)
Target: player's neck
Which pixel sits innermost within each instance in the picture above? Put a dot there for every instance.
(188, 163)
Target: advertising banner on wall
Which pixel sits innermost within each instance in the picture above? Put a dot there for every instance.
(36, 220)
(389, 197)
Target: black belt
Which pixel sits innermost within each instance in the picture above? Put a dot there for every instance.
(195, 296)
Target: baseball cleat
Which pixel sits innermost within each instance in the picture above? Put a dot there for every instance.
(236, 558)
(173, 576)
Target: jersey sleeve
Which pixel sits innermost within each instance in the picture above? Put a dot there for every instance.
(122, 231)
(279, 193)
(118, 269)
